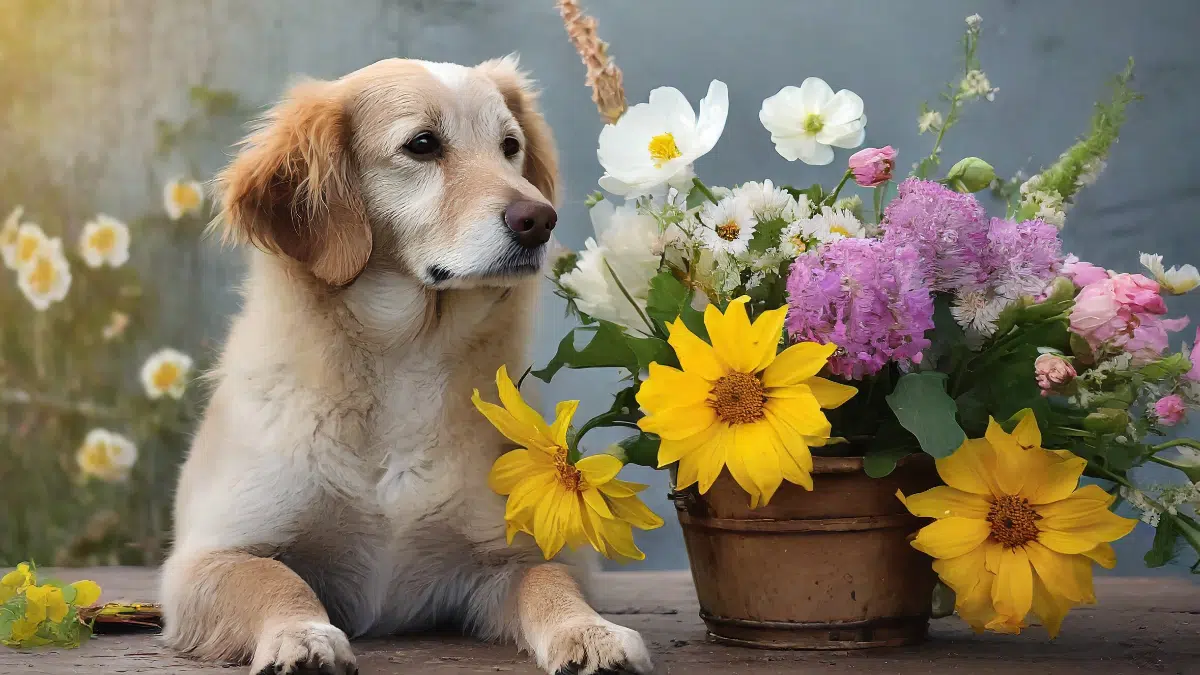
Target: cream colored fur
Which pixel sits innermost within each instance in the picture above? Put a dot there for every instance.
(337, 485)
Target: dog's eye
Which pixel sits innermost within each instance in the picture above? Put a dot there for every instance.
(511, 147)
(424, 146)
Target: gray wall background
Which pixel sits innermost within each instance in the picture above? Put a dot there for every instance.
(1050, 58)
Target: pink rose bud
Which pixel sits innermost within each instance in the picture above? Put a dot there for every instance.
(1052, 372)
(873, 167)
(1170, 410)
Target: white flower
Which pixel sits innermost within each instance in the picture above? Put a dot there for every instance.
(652, 146)
(44, 276)
(104, 240)
(728, 226)
(181, 197)
(21, 241)
(1049, 203)
(831, 225)
(805, 121)
(1177, 280)
(974, 22)
(766, 201)
(1091, 172)
(618, 267)
(165, 373)
(930, 119)
(977, 313)
(976, 83)
(106, 455)
(792, 240)
(117, 323)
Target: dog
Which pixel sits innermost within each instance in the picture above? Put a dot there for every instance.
(337, 485)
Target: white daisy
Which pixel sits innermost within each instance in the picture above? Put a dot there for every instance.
(104, 240)
(28, 238)
(831, 225)
(1177, 280)
(106, 455)
(181, 197)
(165, 373)
(44, 276)
(653, 145)
(805, 121)
(728, 226)
(8, 237)
(929, 120)
(766, 201)
(617, 267)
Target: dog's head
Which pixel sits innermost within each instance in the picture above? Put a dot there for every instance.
(444, 171)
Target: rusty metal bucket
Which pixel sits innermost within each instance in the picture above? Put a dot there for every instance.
(827, 569)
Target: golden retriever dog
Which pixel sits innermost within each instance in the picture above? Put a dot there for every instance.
(337, 486)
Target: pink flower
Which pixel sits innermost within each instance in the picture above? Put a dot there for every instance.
(1123, 312)
(1052, 372)
(1194, 357)
(872, 167)
(1082, 273)
(1170, 410)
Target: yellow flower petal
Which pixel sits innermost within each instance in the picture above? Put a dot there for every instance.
(1012, 593)
(1052, 478)
(945, 502)
(528, 494)
(599, 469)
(951, 537)
(633, 511)
(546, 531)
(1008, 469)
(755, 445)
(795, 470)
(799, 416)
(676, 424)
(87, 593)
(1050, 609)
(1103, 555)
(797, 364)
(619, 537)
(731, 336)
(620, 488)
(1026, 434)
(767, 331)
(794, 443)
(516, 406)
(1077, 508)
(667, 387)
(695, 355)
(523, 435)
(596, 502)
(1081, 534)
(968, 468)
(830, 394)
(563, 413)
(710, 458)
(510, 469)
(670, 451)
(1059, 572)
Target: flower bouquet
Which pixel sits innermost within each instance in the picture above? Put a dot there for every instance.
(818, 375)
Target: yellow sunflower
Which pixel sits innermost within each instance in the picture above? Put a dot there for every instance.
(737, 404)
(1014, 532)
(556, 501)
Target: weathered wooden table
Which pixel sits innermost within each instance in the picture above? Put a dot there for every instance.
(1142, 626)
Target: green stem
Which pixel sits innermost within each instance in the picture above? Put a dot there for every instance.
(636, 308)
(879, 192)
(838, 190)
(1188, 442)
(704, 190)
(603, 420)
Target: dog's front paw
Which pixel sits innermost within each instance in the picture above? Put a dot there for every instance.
(595, 647)
(303, 648)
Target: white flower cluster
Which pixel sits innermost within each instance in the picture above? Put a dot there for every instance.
(1049, 205)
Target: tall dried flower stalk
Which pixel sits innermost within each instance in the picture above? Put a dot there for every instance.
(603, 76)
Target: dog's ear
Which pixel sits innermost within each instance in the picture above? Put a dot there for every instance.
(292, 189)
(541, 157)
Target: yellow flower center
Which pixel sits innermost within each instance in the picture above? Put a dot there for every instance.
(813, 124)
(27, 245)
(1013, 521)
(663, 149)
(738, 398)
(97, 458)
(838, 229)
(568, 476)
(729, 231)
(165, 376)
(103, 240)
(185, 196)
(799, 243)
(42, 276)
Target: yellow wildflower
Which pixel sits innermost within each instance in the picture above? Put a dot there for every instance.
(556, 501)
(1014, 532)
(737, 404)
(16, 581)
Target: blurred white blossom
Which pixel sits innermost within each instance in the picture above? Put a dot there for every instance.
(182, 197)
(106, 455)
(44, 277)
(166, 373)
(104, 241)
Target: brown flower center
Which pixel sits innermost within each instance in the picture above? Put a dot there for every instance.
(738, 398)
(1013, 521)
(568, 475)
(729, 231)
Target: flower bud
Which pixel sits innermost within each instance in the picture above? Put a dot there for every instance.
(970, 175)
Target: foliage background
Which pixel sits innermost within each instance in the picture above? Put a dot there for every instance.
(86, 81)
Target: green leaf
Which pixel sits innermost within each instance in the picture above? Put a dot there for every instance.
(651, 350)
(641, 449)
(695, 198)
(943, 600)
(923, 407)
(1166, 538)
(766, 235)
(669, 299)
(947, 337)
(608, 348)
(891, 443)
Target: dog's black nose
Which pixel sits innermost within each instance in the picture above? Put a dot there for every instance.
(532, 221)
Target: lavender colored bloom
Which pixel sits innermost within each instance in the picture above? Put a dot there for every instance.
(1022, 258)
(865, 296)
(949, 231)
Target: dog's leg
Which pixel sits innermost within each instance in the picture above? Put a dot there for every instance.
(567, 636)
(232, 606)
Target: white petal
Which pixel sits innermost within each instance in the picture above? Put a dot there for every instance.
(714, 110)
(811, 152)
(845, 106)
(673, 106)
(783, 113)
(814, 94)
(846, 136)
(616, 187)
(602, 216)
